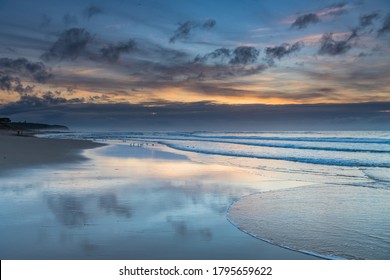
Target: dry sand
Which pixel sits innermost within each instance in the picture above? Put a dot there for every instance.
(27, 151)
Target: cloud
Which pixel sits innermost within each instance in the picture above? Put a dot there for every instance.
(283, 50)
(184, 30)
(155, 66)
(327, 13)
(385, 26)
(70, 44)
(13, 84)
(244, 55)
(25, 68)
(208, 24)
(224, 72)
(33, 102)
(54, 98)
(245, 71)
(304, 20)
(240, 55)
(330, 46)
(359, 79)
(325, 90)
(367, 19)
(11, 72)
(9, 83)
(222, 63)
(111, 53)
(280, 51)
(221, 54)
(92, 11)
(335, 9)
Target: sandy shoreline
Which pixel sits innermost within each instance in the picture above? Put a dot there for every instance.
(26, 151)
(67, 217)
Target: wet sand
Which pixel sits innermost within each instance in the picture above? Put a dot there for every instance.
(27, 151)
(125, 202)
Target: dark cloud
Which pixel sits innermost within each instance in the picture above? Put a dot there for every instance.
(385, 26)
(25, 68)
(184, 30)
(330, 46)
(54, 98)
(244, 55)
(225, 72)
(220, 54)
(111, 53)
(13, 84)
(152, 76)
(32, 102)
(325, 90)
(251, 70)
(208, 24)
(280, 51)
(92, 11)
(9, 83)
(70, 44)
(336, 9)
(241, 55)
(367, 19)
(156, 67)
(304, 20)
(69, 19)
(10, 72)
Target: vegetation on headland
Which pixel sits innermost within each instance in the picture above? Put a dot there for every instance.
(6, 123)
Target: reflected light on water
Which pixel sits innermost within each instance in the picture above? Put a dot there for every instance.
(145, 205)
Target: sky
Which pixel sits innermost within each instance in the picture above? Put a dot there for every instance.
(196, 65)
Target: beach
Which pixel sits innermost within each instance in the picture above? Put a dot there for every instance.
(195, 130)
(284, 195)
(27, 151)
(122, 201)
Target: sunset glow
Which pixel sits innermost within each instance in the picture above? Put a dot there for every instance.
(76, 54)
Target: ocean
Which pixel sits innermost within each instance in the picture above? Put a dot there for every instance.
(340, 211)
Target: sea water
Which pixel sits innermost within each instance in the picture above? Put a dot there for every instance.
(129, 200)
(345, 211)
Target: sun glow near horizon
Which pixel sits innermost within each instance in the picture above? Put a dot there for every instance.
(54, 61)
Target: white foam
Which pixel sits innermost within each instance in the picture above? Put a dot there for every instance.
(331, 221)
